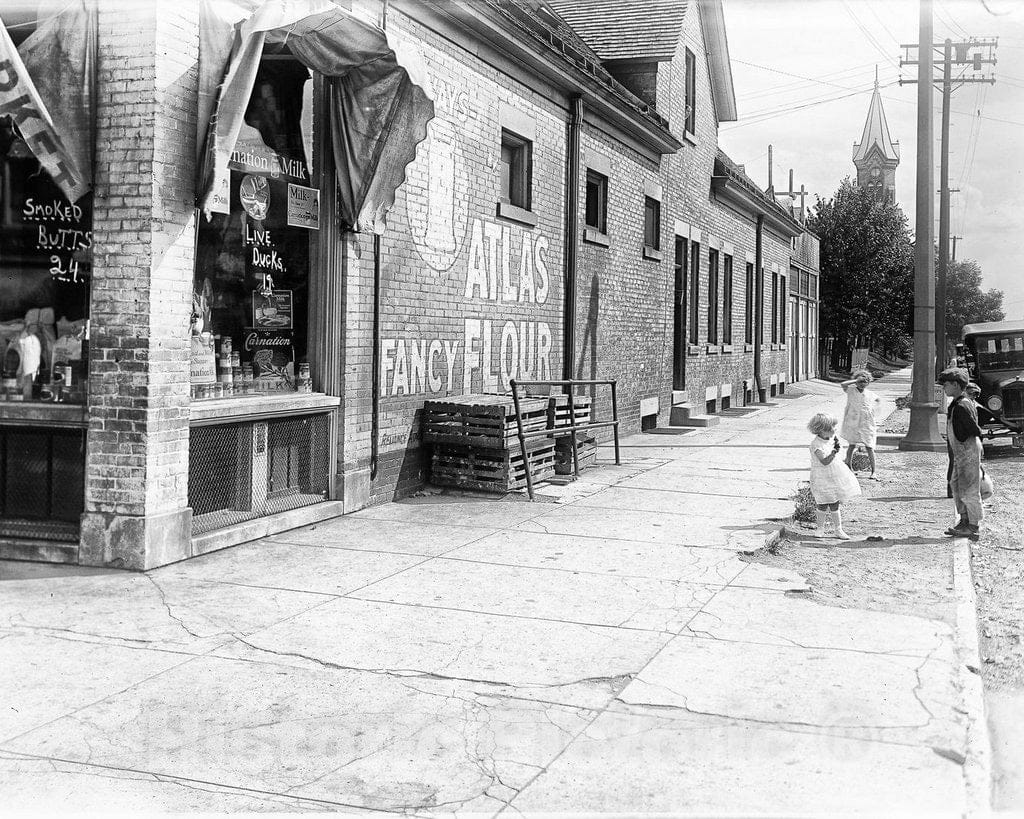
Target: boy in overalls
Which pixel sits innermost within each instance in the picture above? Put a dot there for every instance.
(964, 437)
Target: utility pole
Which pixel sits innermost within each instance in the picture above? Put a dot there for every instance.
(983, 55)
(954, 238)
(924, 425)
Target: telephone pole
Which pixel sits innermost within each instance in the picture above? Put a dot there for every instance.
(955, 238)
(976, 53)
(924, 425)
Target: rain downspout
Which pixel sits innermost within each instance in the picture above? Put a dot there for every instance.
(571, 237)
(762, 396)
(375, 363)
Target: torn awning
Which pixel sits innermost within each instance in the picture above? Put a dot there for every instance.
(48, 88)
(380, 101)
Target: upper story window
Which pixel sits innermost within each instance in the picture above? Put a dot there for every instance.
(597, 201)
(516, 169)
(652, 223)
(690, 99)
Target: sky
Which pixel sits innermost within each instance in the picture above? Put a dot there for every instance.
(804, 71)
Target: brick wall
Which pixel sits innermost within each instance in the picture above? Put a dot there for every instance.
(142, 275)
(468, 299)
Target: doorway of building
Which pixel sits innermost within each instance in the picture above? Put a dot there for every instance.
(679, 339)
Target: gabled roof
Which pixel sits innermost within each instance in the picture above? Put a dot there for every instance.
(650, 30)
(876, 132)
(731, 183)
(626, 29)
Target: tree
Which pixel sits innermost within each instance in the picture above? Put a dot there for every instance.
(867, 272)
(965, 301)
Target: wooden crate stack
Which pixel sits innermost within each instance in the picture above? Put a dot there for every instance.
(476, 442)
(586, 444)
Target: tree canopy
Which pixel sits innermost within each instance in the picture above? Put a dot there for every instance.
(867, 269)
(966, 303)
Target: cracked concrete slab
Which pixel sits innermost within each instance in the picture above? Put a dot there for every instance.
(679, 502)
(34, 678)
(584, 666)
(374, 534)
(627, 602)
(49, 786)
(764, 616)
(871, 696)
(623, 558)
(713, 766)
(446, 510)
(697, 482)
(306, 568)
(353, 738)
(180, 614)
(624, 524)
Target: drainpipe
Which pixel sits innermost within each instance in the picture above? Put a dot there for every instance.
(375, 375)
(375, 364)
(762, 395)
(571, 243)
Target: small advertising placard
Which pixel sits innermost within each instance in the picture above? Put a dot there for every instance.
(272, 311)
(303, 207)
(273, 358)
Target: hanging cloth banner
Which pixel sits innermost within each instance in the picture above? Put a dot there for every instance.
(380, 102)
(47, 88)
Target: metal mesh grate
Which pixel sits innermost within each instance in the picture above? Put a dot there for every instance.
(242, 471)
(42, 482)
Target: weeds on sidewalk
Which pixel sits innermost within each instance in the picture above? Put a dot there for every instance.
(805, 505)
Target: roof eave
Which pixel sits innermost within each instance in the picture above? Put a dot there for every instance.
(729, 190)
(712, 20)
(543, 59)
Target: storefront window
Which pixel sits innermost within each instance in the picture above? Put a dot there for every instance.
(45, 268)
(251, 289)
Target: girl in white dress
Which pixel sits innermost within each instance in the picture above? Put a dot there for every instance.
(859, 419)
(832, 482)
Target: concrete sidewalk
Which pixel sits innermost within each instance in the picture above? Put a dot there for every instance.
(611, 649)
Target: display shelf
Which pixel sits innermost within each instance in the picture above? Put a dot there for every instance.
(36, 413)
(260, 405)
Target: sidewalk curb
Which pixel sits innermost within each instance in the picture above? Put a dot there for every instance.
(977, 768)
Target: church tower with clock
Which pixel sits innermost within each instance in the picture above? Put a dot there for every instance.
(876, 156)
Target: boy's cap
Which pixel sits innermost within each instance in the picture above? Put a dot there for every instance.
(956, 375)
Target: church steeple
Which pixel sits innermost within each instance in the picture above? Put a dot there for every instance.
(877, 154)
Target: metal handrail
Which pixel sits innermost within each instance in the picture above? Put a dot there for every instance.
(561, 431)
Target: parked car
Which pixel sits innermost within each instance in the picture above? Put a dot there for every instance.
(993, 353)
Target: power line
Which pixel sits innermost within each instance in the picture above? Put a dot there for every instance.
(868, 35)
(771, 113)
(790, 87)
(881, 22)
(993, 13)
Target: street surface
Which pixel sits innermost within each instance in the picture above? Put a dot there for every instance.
(638, 641)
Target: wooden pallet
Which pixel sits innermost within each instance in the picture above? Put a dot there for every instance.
(558, 410)
(586, 451)
(470, 467)
(487, 421)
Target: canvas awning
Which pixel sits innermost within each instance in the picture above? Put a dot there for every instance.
(47, 86)
(380, 101)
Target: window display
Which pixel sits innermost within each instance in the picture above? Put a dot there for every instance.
(45, 267)
(251, 292)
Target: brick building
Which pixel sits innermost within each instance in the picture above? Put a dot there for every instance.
(568, 213)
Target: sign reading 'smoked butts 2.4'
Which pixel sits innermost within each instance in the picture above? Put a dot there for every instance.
(487, 310)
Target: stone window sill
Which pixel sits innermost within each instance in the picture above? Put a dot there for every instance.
(514, 213)
(713, 349)
(595, 237)
(726, 348)
(652, 254)
(748, 348)
(693, 349)
(690, 137)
